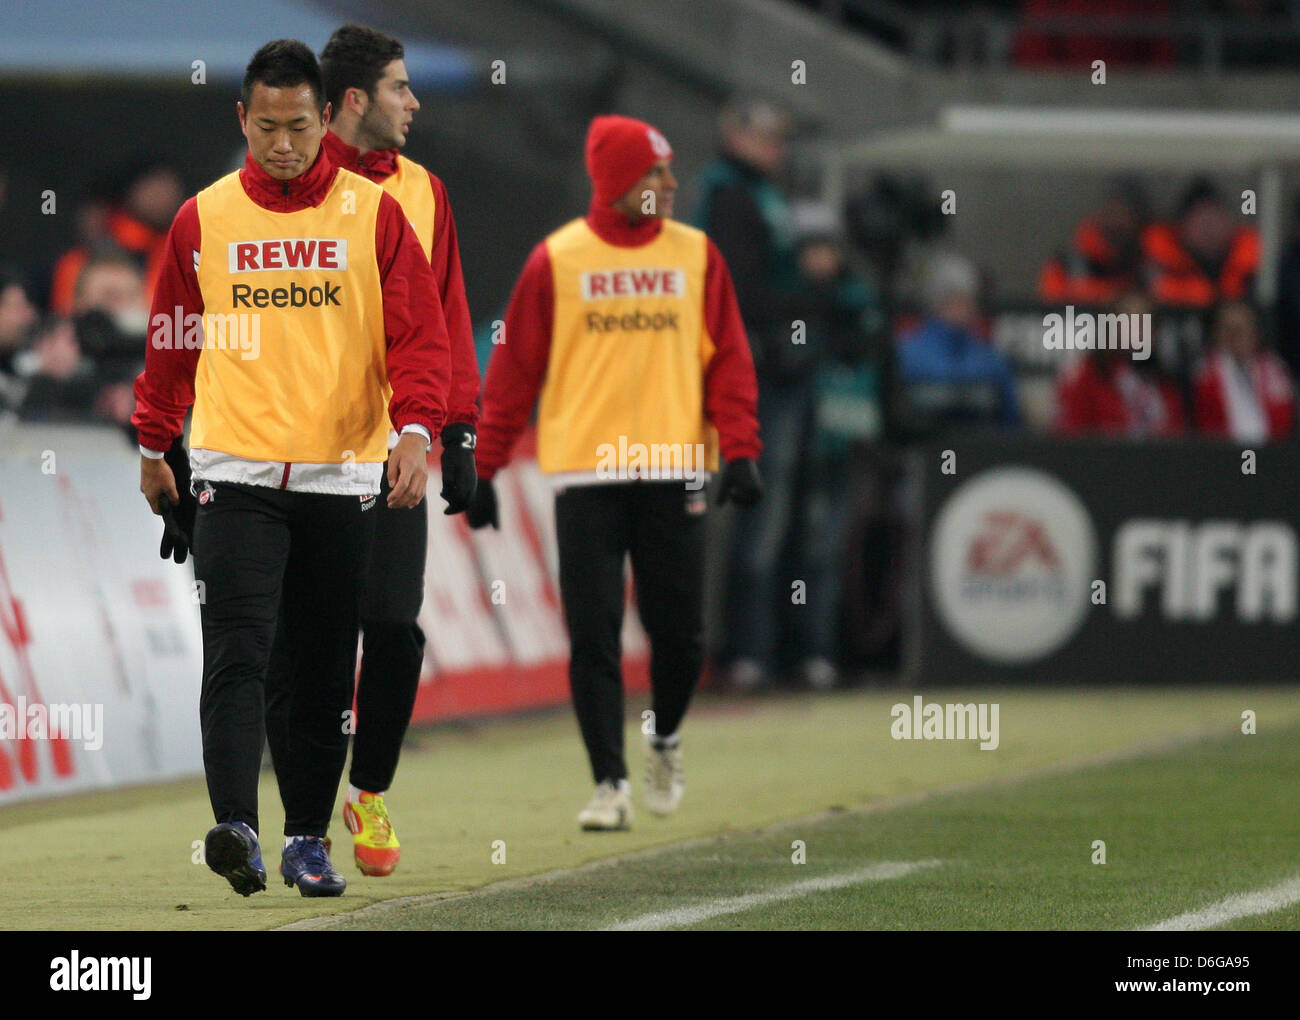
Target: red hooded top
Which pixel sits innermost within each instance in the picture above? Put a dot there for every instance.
(518, 368)
(378, 165)
(1266, 382)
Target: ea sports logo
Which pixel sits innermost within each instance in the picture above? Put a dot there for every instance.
(659, 144)
(1011, 563)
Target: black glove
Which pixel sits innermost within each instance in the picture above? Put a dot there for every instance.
(459, 475)
(175, 541)
(483, 506)
(740, 482)
(178, 521)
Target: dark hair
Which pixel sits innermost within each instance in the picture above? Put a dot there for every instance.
(1202, 189)
(113, 184)
(110, 258)
(1131, 191)
(355, 58)
(283, 63)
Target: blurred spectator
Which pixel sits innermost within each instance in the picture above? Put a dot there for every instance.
(1204, 258)
(59, 384)
(948, 374)
(111, 318)
(111, 283)
(849, 408)
(129, 215)
(796, 305)
(111, 307)
(81, 368)
(91, 220)
(1105, 258)
(743, 207)
(887, 216)
(1243, 391)
(1287, 309)
(1106, 392)
(17, 318)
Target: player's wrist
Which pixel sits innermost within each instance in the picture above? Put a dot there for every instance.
(419, 431)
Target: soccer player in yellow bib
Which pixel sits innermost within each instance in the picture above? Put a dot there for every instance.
(292, 299)
(625, 323)
(369, 90)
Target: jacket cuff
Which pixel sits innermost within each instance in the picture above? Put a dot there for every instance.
(419, 430)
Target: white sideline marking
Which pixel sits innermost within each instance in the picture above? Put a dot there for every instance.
(382, 910)
(735, 904)
(1261, 901)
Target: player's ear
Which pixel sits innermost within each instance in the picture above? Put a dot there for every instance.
(243, 117)
(326, 114)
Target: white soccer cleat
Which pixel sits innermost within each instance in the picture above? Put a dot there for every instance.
(664, 781)
(610, 807)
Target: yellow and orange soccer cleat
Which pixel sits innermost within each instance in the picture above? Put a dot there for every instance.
(375, 845)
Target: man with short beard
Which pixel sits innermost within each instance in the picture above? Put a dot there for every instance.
(369, 90)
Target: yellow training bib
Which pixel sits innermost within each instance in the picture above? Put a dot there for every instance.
(293, 365)
(625, 378)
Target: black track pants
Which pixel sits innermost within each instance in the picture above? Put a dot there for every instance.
(264, 555)
(661, 526)
(392, 648)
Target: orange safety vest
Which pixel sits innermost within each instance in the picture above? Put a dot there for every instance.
(1179, 280)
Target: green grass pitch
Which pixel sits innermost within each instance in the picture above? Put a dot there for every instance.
(1190, 809)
